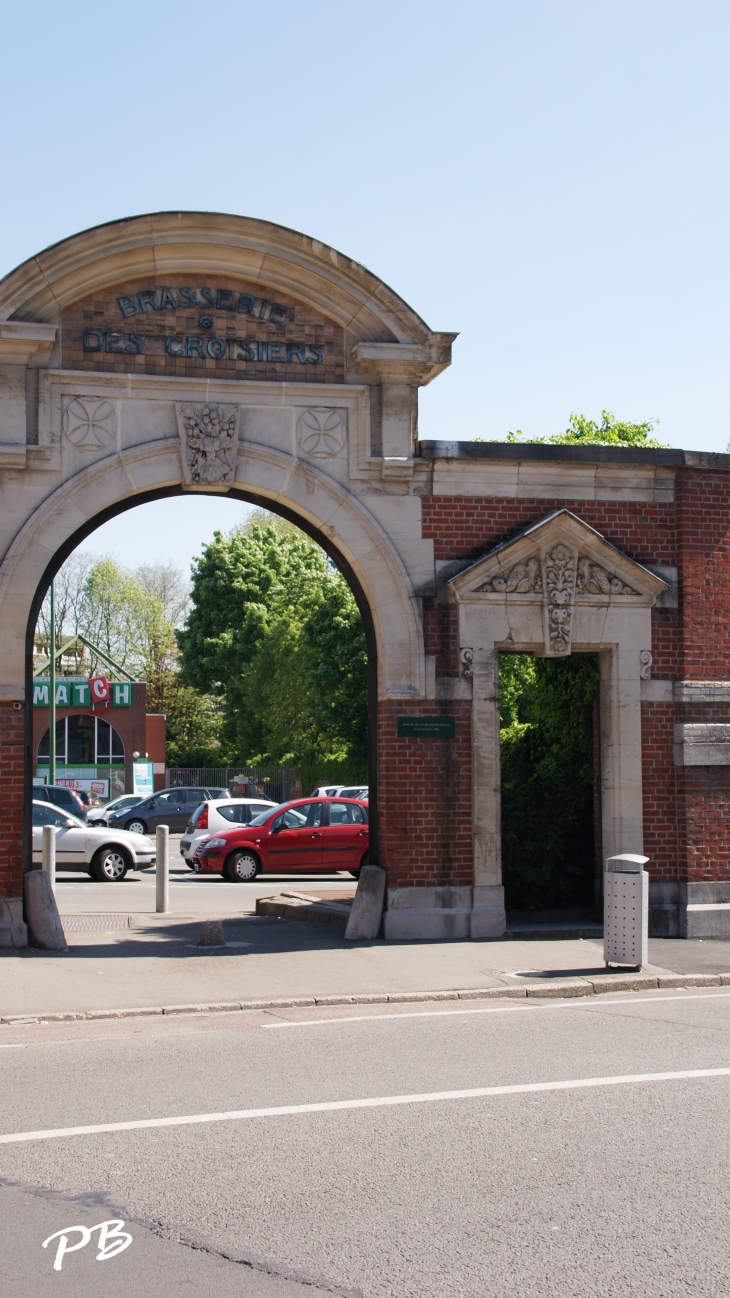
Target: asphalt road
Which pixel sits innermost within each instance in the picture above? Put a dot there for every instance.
(616, 1188)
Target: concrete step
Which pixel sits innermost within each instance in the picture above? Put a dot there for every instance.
(550, 930)
(312, 910)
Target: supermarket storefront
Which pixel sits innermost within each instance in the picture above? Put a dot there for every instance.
(94, 744)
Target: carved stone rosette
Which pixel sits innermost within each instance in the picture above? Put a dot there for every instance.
(209, 436)
(559, 578)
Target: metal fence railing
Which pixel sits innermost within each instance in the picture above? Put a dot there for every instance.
(275, 782)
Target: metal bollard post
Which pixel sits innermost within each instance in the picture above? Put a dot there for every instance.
(162, 871)
(48, 853)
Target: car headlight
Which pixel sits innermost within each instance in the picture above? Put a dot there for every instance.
(215, 842)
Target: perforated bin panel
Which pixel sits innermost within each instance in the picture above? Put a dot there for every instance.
(625, 917)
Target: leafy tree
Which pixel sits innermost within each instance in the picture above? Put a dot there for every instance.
(131, 616)
(547, 780)
(274, 633)
(582, 431)
(166, 583)
(193, 721)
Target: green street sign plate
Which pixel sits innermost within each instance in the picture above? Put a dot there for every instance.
(427, 727)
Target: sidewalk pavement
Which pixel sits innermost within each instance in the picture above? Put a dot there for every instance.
(137, 961)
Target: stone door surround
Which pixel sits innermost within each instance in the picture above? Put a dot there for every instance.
(556, 588)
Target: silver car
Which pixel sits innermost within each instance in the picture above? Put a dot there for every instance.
(105, 854)
(100, 815)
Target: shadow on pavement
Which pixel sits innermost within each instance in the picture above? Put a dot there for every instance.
(248, 935)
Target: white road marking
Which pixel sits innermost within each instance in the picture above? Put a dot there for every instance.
(589, 1002)
(377, 1102)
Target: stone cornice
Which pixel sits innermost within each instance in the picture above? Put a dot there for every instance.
(407, 363)
(20, 341)
(664, 457)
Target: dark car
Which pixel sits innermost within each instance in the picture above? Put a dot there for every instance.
(171, 807)
(66, 799)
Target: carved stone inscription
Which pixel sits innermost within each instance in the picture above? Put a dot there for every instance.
(209, 436)
(192, 325)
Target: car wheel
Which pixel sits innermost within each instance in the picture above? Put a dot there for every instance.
(136, 827)
(355, 873)
(190, 864)
(109, 865)
(241, 867)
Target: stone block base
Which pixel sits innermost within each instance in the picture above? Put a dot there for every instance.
(690, 909)
(444, 914)
(13, 931)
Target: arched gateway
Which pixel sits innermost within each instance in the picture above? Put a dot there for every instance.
(186, 352)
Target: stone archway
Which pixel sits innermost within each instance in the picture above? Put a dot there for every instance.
(200, 353)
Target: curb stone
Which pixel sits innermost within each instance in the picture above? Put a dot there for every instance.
(567, 988)
(632, 983)
(576, 987)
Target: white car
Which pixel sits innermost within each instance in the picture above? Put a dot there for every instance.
(105, 854)
(342, 791)
(98, 815)
(218, 813)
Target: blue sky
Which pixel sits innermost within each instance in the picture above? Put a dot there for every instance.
(550, 179)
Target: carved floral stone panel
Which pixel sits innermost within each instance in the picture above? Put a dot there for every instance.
(209, 436)
(559, 574)
(522, 578)
(592, 579)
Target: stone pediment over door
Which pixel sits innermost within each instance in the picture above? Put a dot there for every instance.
(548, 573)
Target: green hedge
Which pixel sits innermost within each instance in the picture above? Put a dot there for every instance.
(546, 734)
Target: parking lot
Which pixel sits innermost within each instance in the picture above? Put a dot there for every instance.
(190, 894)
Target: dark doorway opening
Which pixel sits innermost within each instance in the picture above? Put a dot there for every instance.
(549, 747)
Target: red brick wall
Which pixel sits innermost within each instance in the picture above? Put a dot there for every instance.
(12, 743)
(659, 780)
(686, 809)
(704, 803)
(441, 636)
(424, 792)
(703, 535)
(156, 744)
(703, 653)
(465, 526)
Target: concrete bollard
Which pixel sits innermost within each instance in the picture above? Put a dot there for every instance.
(162, 870)
(48, 853)
(41, 912)
(367, 908)
(211, 933)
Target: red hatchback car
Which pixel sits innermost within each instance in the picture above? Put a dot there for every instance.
(309, 834)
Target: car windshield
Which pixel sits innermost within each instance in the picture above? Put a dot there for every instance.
(270, 811)
(43, 814)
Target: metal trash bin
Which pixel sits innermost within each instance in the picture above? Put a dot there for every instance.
(626, 911)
